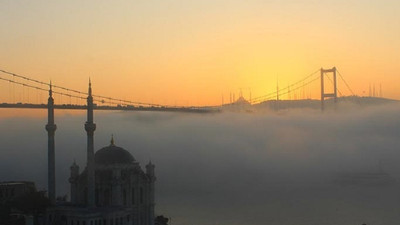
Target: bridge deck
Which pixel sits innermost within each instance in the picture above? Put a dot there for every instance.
(123, 108)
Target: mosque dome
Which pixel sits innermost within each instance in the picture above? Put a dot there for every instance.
(113, 154)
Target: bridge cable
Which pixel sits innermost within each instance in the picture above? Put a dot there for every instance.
(80, 92)
(288, 91)
(340, 75)
(340, 93)
(282, 89)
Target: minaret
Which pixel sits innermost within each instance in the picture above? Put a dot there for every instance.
(370, 90)
(374, 91)
(90, 127)
(51, 129)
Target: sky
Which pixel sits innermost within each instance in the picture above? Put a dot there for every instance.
(194, 52)
(231, 168)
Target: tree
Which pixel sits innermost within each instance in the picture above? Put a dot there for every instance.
(33, 203)
(161, 220)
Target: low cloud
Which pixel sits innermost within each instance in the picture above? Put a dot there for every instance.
(232, 168)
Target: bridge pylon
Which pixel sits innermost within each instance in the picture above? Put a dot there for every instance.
(328, 95)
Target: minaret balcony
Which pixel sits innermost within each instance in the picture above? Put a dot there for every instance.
(90, 127)
(51, 127)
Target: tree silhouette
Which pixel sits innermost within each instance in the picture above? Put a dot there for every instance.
(32, 203)
(161, 220)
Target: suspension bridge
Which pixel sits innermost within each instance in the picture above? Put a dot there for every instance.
(27, 92)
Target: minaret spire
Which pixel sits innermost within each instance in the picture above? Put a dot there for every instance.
(50, 90)
(112, 139)
(90, 127)
(51, 129)
(90, 87)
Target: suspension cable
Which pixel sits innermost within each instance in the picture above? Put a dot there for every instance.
(80, 92)
(289, 86)
(348, 86)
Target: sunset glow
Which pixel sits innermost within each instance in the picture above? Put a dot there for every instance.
(194, 52)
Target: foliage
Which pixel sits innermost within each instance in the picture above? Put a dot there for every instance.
(161, 220)
(32, 202)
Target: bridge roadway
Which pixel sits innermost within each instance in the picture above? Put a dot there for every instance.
(119, 107)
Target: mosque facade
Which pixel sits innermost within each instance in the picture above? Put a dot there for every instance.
(112, 189)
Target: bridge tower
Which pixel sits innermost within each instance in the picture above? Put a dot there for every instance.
(328, 95)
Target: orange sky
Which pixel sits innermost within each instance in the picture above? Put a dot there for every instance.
(193, 52)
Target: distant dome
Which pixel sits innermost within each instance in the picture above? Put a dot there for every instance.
(113, 155)
(242, 101)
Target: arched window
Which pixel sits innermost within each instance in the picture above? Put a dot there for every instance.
(124, 196)
(107, 197)
(133, 196)
(97, 196)
(141, 195)
(85, 195)
(64, 220)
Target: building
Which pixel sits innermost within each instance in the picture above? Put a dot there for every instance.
(111, 190)
(13, 189)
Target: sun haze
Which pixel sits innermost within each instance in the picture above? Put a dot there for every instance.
(194, 52)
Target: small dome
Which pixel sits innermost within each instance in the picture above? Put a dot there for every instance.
(113, 155)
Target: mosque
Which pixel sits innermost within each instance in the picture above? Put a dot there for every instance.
(111, 190)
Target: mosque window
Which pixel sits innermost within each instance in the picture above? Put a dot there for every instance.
(107, 197)
(124, 196)
(97, 196)
(85, 194)
(133, 196)
(141, 195)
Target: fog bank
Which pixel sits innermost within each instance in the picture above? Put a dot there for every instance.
(232, 168)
